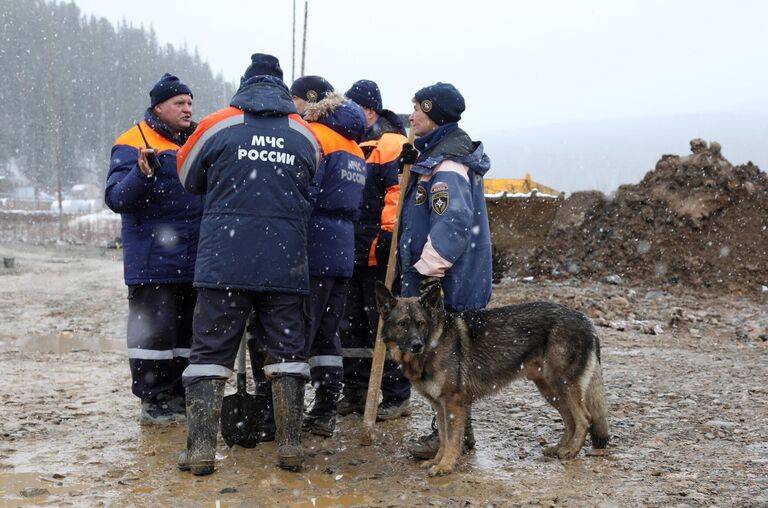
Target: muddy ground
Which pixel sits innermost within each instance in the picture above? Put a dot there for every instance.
(685, 374)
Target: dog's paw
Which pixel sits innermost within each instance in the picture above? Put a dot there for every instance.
(598, 452)
(566, 453)
(428, 463)
(552, 451)
(440, 470)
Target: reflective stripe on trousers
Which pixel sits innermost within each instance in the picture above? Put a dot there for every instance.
(361, 352)
(327, 373)
(325, 361)
(292, 368)
(152, 354)
(357, 352)
(207, 370)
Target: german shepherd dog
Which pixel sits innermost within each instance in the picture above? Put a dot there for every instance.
(455, 359)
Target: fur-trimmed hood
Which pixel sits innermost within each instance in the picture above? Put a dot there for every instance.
(338, 113)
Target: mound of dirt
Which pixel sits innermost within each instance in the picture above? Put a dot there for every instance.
(518, 227)
(694, 219)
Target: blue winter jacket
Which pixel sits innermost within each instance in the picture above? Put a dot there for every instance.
(337, 189)
(254, 161)
(445, 231)
(160, 220)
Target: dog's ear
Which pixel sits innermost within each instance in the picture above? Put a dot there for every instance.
(432, 297)
(384, 298)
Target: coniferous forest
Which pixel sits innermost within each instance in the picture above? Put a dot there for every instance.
(70, 84)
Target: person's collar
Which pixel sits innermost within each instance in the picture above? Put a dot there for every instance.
(375, 130)
(162, 128)
(425, 143)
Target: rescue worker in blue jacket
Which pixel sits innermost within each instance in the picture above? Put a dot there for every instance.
(160, 223)
(254, 161)
(381, 145)
(336, 193)
(445, 232)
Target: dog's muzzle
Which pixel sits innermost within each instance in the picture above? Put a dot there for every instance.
(415, 347)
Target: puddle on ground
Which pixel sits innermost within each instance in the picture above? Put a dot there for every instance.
(32, 489)
(492, 464)
(63, 342)
(242, 475)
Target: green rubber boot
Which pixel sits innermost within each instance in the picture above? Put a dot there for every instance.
(288, 400)
(203, 414)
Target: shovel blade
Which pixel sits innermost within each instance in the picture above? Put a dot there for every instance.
(242, 419)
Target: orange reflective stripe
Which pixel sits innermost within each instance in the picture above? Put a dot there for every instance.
(203, 126)
(298, 118)
(132, 137)
(332, 141)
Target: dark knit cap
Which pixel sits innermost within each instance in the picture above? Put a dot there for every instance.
(366, 93)
(263, 65)
(441, 102)
(311, 88)
(168, 86)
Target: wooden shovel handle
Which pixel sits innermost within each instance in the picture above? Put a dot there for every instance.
(379, 350)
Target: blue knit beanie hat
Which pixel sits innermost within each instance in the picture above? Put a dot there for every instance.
(366, 93)
(263, 65)
(168, 86)
(441, 102)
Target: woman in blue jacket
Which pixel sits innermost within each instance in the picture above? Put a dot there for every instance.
(445, 236)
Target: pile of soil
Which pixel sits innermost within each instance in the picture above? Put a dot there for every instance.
(695, 220)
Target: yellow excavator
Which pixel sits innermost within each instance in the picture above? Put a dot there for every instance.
(498, 187)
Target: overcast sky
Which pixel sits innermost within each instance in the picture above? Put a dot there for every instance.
(518, 64)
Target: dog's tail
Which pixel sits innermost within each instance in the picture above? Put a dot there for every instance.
(594, 399)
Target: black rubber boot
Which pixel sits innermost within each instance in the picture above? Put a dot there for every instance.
(391, 409)
(321, 419)
(288, 400)
(426, 446)
(353, 401)
(203, 414)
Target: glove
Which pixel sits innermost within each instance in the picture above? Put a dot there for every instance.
(408, 155)
(427, 282)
